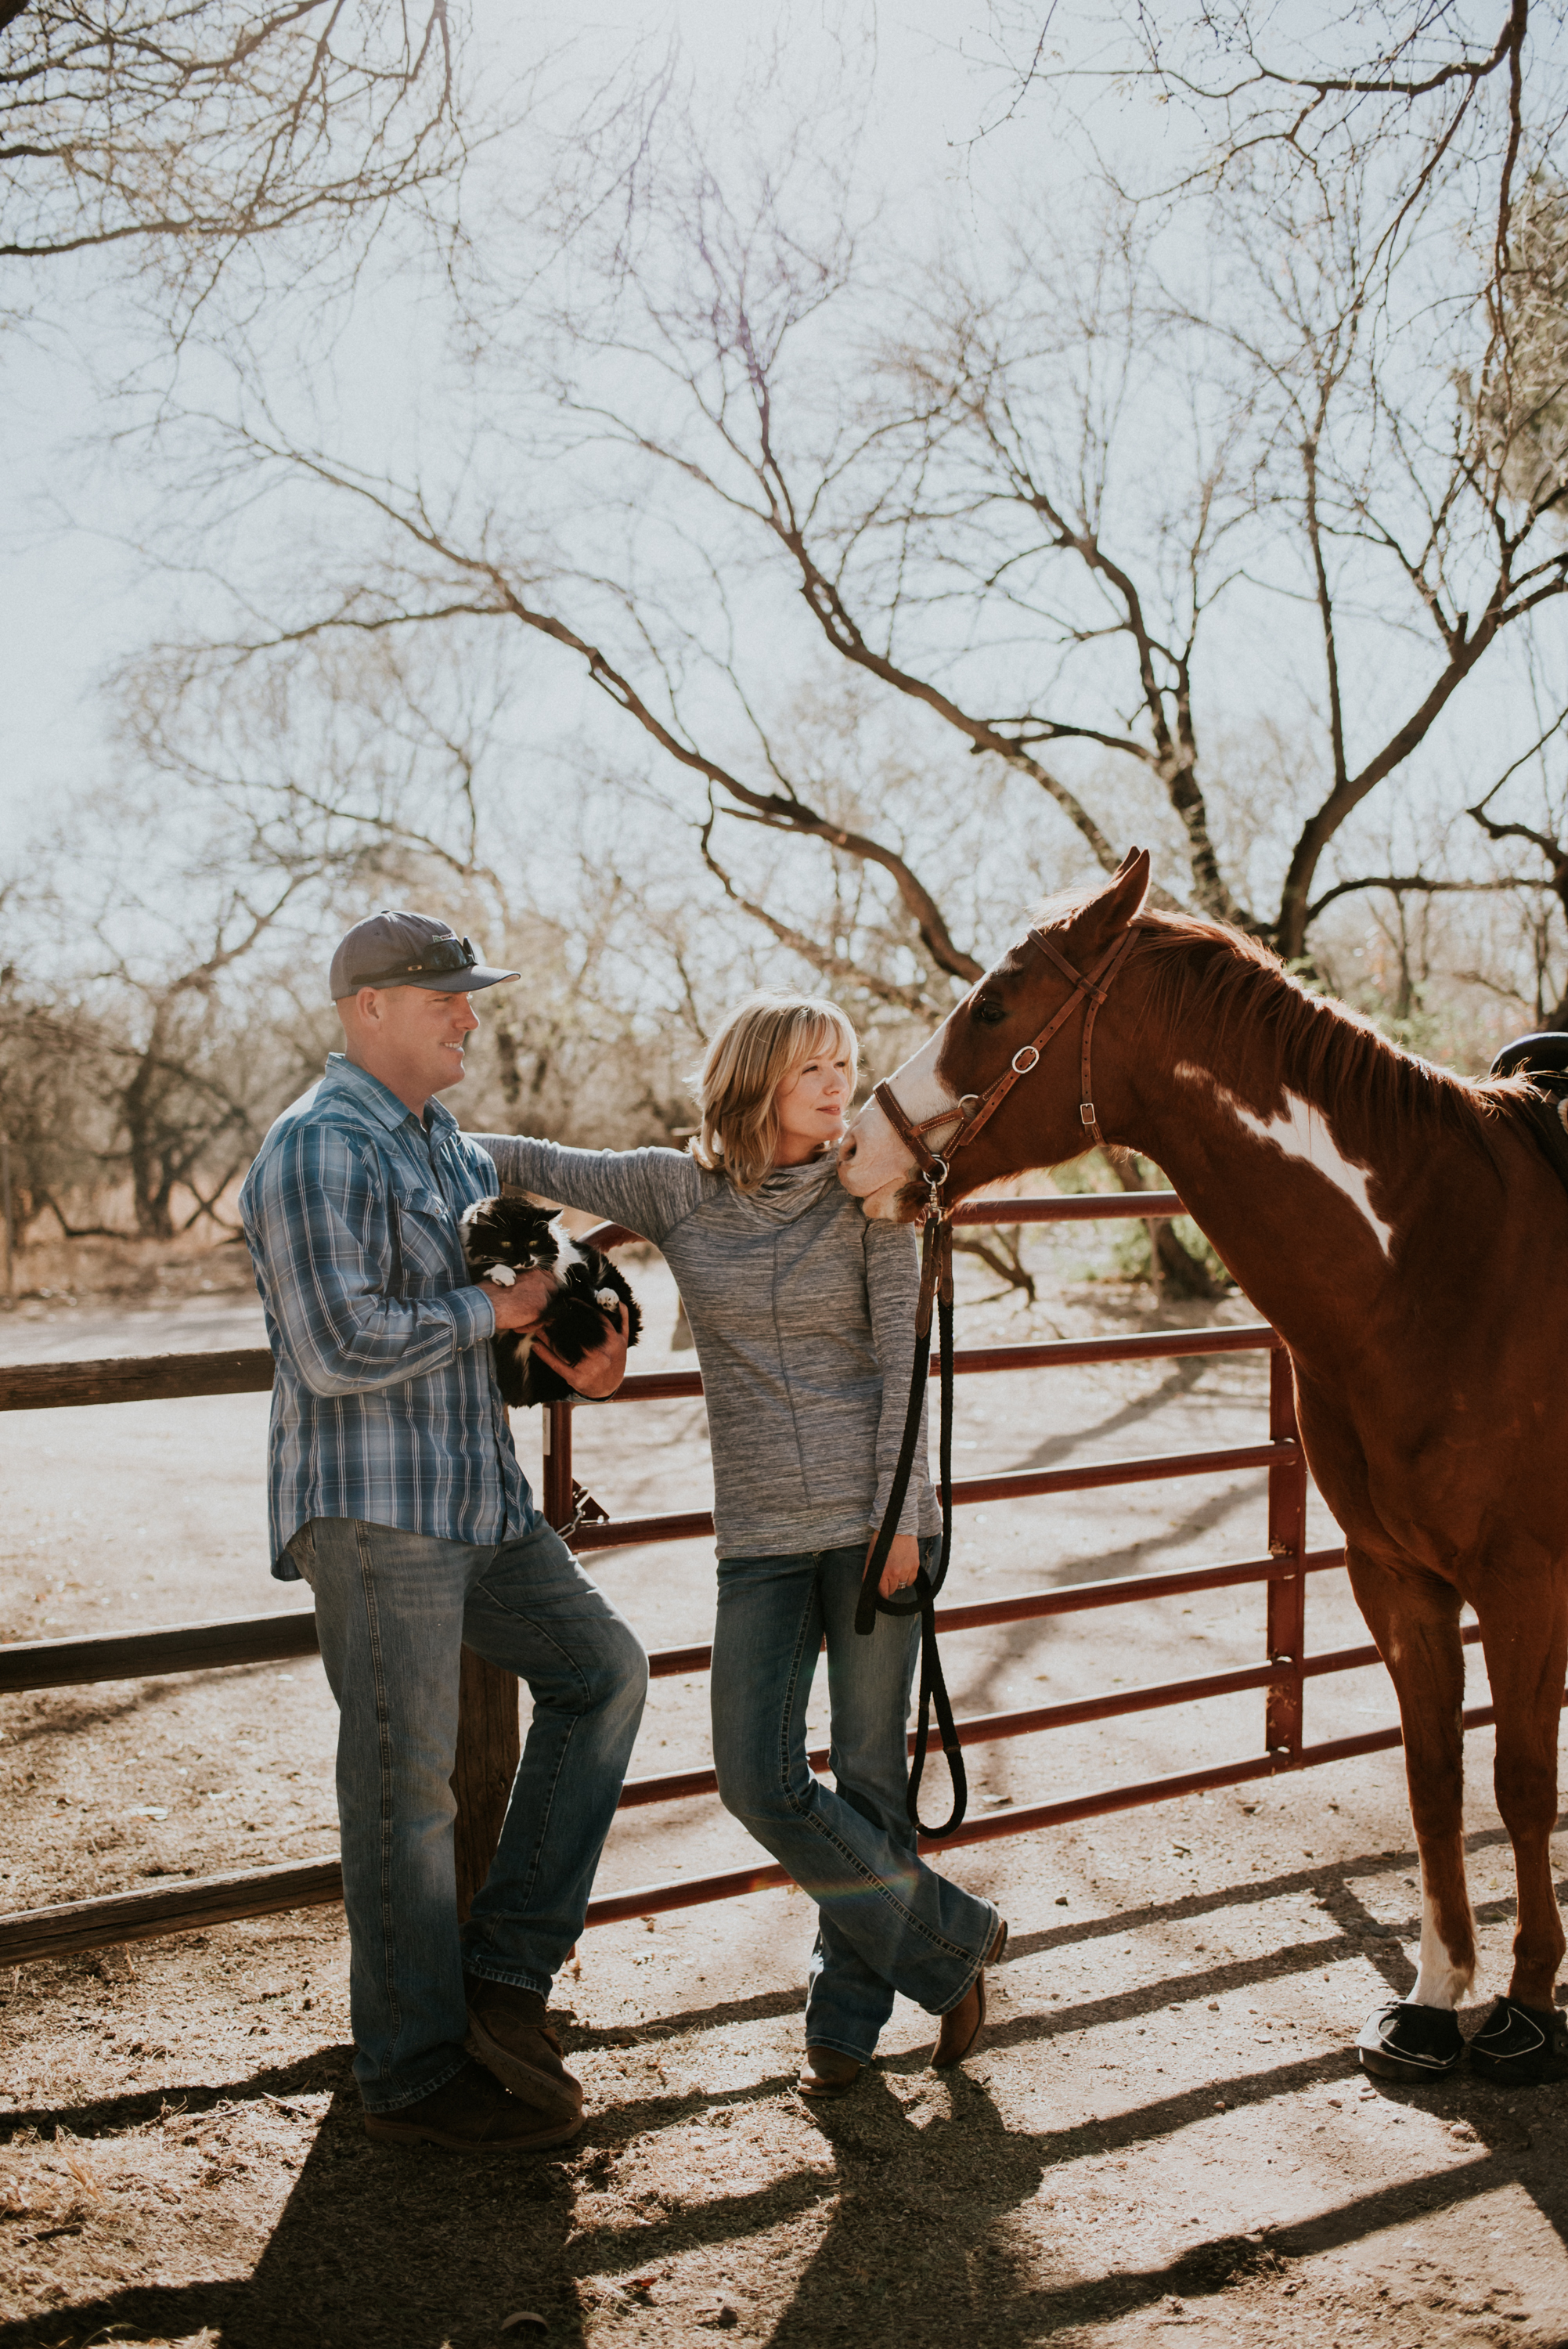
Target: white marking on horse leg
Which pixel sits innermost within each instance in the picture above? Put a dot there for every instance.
(1438, 1981)
(1302, 1131)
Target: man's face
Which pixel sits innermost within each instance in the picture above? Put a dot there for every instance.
(412, 1037)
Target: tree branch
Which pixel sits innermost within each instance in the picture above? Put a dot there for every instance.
(831, 965)
(1420, 884)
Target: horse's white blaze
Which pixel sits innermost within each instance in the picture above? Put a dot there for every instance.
(1438, 1981)
(874, 1162)
(1302, 1130)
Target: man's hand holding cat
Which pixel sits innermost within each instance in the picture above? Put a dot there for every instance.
(602, 1369)
(519, 1306)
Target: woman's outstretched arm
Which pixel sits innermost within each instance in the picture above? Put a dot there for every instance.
(649, 1191)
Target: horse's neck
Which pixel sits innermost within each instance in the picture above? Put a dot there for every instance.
(1293, 1195)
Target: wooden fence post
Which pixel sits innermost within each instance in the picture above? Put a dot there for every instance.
(488, 1747)
(557, 1495)
(490, 1744)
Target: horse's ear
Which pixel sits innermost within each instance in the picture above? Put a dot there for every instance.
(1129, 883)
(1111, 907)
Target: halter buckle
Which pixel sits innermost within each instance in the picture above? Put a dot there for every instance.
(1024, 1060)
(1086, 1114)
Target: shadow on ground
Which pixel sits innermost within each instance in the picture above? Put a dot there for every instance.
(910, 2212)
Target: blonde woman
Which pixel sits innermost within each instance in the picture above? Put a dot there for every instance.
(803, 1317)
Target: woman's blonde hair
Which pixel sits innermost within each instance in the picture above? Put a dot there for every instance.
(764, 1040)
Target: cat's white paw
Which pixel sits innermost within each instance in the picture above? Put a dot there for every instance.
(503, 1275)
(607, 1297)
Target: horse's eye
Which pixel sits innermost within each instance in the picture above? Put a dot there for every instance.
(989, 1012)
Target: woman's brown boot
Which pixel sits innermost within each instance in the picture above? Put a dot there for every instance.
(962, 2023)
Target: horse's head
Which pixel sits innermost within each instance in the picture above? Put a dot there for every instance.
(977, 1045)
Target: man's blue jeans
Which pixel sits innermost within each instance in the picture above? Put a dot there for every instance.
(886, 1922)
(394, 1611)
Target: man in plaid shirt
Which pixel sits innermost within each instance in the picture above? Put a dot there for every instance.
(393, 1488)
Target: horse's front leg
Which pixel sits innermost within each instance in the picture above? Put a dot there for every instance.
(1413, 1618)
(1524, 1636)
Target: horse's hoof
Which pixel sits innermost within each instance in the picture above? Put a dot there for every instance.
(1520, 2046)
(1402, 2042)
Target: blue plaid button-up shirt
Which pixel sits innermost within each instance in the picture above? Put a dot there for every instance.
(385, 1406)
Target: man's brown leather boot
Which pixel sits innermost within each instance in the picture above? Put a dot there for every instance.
(473, 2113)
(509, 2034)
(827, 2073)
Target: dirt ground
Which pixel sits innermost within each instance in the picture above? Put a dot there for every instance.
(1163, 2137)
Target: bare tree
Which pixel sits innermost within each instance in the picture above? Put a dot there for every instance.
(186, 130)
(1338, 431)
(388, 768)
(1032, 499)
(1544, 832)
(185, 1102)
(116, 1079)
(1056, 476)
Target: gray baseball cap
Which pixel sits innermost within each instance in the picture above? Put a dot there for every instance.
(390, 949)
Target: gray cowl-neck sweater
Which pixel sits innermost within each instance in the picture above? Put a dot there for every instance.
(797, 1307)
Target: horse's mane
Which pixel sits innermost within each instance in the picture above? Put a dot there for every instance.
(1206, 973)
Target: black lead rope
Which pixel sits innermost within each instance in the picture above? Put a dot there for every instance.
(971, 1113)
(935, 1281)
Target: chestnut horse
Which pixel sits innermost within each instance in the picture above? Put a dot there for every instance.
(1407, 1238)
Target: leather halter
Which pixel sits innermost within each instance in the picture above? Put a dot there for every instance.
(975, 1110)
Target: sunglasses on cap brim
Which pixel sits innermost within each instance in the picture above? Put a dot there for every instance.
(440, 957)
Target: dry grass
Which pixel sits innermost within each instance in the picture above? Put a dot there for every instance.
(53, 1272)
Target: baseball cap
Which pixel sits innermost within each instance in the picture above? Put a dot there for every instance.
(390, 949)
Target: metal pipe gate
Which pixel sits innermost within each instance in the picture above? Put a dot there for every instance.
(488, 1734)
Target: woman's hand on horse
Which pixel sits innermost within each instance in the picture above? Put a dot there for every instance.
(902, 1564)
(519, 1307)
(602, 1369)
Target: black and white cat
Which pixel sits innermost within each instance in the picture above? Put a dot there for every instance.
(504, 1238)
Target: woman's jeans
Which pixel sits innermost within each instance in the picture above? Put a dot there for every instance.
(394, 1611)
(887, 1922)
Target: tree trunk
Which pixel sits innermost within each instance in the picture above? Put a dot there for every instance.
(1001, 1251)
(139, 1109)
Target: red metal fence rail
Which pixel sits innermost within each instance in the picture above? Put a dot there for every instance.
(489, 1743)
